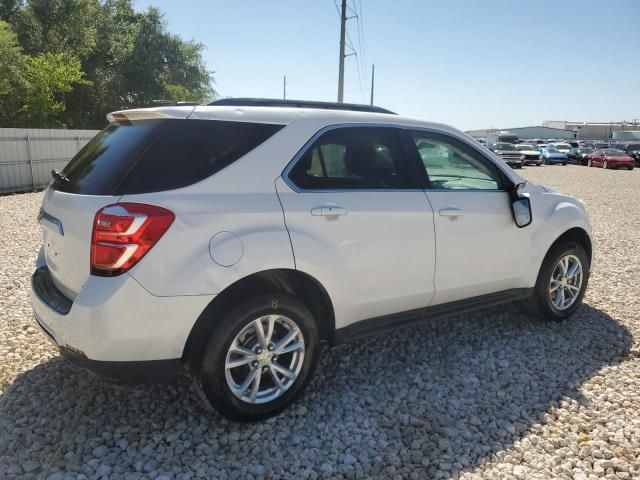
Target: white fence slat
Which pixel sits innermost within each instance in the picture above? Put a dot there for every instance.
(28, 155)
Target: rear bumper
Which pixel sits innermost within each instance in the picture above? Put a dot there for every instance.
(115, 328)
(532, 160)
(150, 371)
(620, 164)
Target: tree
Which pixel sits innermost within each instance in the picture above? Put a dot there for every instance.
(58, 26)
(129, 59)
(12, 72)
(48, 76)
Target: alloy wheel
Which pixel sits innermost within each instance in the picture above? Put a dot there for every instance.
(264, 359)
(566, 282)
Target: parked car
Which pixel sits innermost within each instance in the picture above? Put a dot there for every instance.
(552, 155)
(561, 147)
(611, 158)
(237, 240)
(579, 156)
(531, 154)
(631, 149)
(509, 153)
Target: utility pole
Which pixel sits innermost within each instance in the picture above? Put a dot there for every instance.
(343, 21)
(284, 88)
(373, 76)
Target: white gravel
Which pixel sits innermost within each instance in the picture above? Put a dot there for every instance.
(489, 395)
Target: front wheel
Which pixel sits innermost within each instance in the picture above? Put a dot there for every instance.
(259, 358)
(562, 282)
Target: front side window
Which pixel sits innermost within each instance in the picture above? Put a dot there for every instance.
(354, 158)
(453, 165)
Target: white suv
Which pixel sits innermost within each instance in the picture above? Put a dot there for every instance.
(236, 239)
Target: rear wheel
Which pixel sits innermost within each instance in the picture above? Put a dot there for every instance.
(561, 283)
(259, 358)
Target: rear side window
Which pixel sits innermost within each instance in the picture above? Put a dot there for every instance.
(156, 155)
(354, 158)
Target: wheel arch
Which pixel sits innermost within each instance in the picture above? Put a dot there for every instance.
(293, 282)
(574, 234)
(578, 235)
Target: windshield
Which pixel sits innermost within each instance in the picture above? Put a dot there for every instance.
(611, 152)
(585, 150)
(525, 147)
(553, 150)
(504, 146)
(633, 147)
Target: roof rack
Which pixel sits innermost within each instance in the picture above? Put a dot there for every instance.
(269, 102)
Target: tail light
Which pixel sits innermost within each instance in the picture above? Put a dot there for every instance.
(123, 233)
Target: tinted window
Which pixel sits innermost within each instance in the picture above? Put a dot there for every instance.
(454, 165)
(354, 158)
(151, 156)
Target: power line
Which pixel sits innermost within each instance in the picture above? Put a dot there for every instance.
(360, 26)
(355, 53)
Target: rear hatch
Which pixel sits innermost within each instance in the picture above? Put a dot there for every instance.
(141, 151)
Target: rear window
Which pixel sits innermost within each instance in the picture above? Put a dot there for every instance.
(156, 155)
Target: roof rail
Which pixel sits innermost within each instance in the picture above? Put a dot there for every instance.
(269, 102)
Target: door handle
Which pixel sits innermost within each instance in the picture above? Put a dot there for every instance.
(328, 211)
(451, 212)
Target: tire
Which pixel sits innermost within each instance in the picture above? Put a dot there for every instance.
(564, 164)
(589, 163)
(630, 168)
(605, 165)
(542, 302)
(239, 327)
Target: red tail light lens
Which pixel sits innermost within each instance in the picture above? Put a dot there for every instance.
(123, 233)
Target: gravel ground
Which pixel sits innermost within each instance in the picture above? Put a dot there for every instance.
(488, 395)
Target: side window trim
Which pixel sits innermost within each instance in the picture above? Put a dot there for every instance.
(310, 144)
(503, 177)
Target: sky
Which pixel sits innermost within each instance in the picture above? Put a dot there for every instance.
(467, 63)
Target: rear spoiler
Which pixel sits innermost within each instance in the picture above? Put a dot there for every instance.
(124, 116)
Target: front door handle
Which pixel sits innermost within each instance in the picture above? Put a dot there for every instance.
(328, 211)
(451, 212)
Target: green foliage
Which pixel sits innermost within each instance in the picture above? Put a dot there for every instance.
(12, 73)
(100, 55)
(48, 76)
(11, 60)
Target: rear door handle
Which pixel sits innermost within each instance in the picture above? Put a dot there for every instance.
(328, 211)
(451, 212)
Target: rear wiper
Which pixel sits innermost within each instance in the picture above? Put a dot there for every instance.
(59, 175)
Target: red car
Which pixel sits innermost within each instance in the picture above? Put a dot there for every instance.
(611, 158)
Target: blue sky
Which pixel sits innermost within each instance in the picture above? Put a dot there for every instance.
(467, 63)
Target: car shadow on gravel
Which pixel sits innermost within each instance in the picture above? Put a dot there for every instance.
(437, 399)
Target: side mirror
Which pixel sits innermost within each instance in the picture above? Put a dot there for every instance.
(521, 206)
(521, 209)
